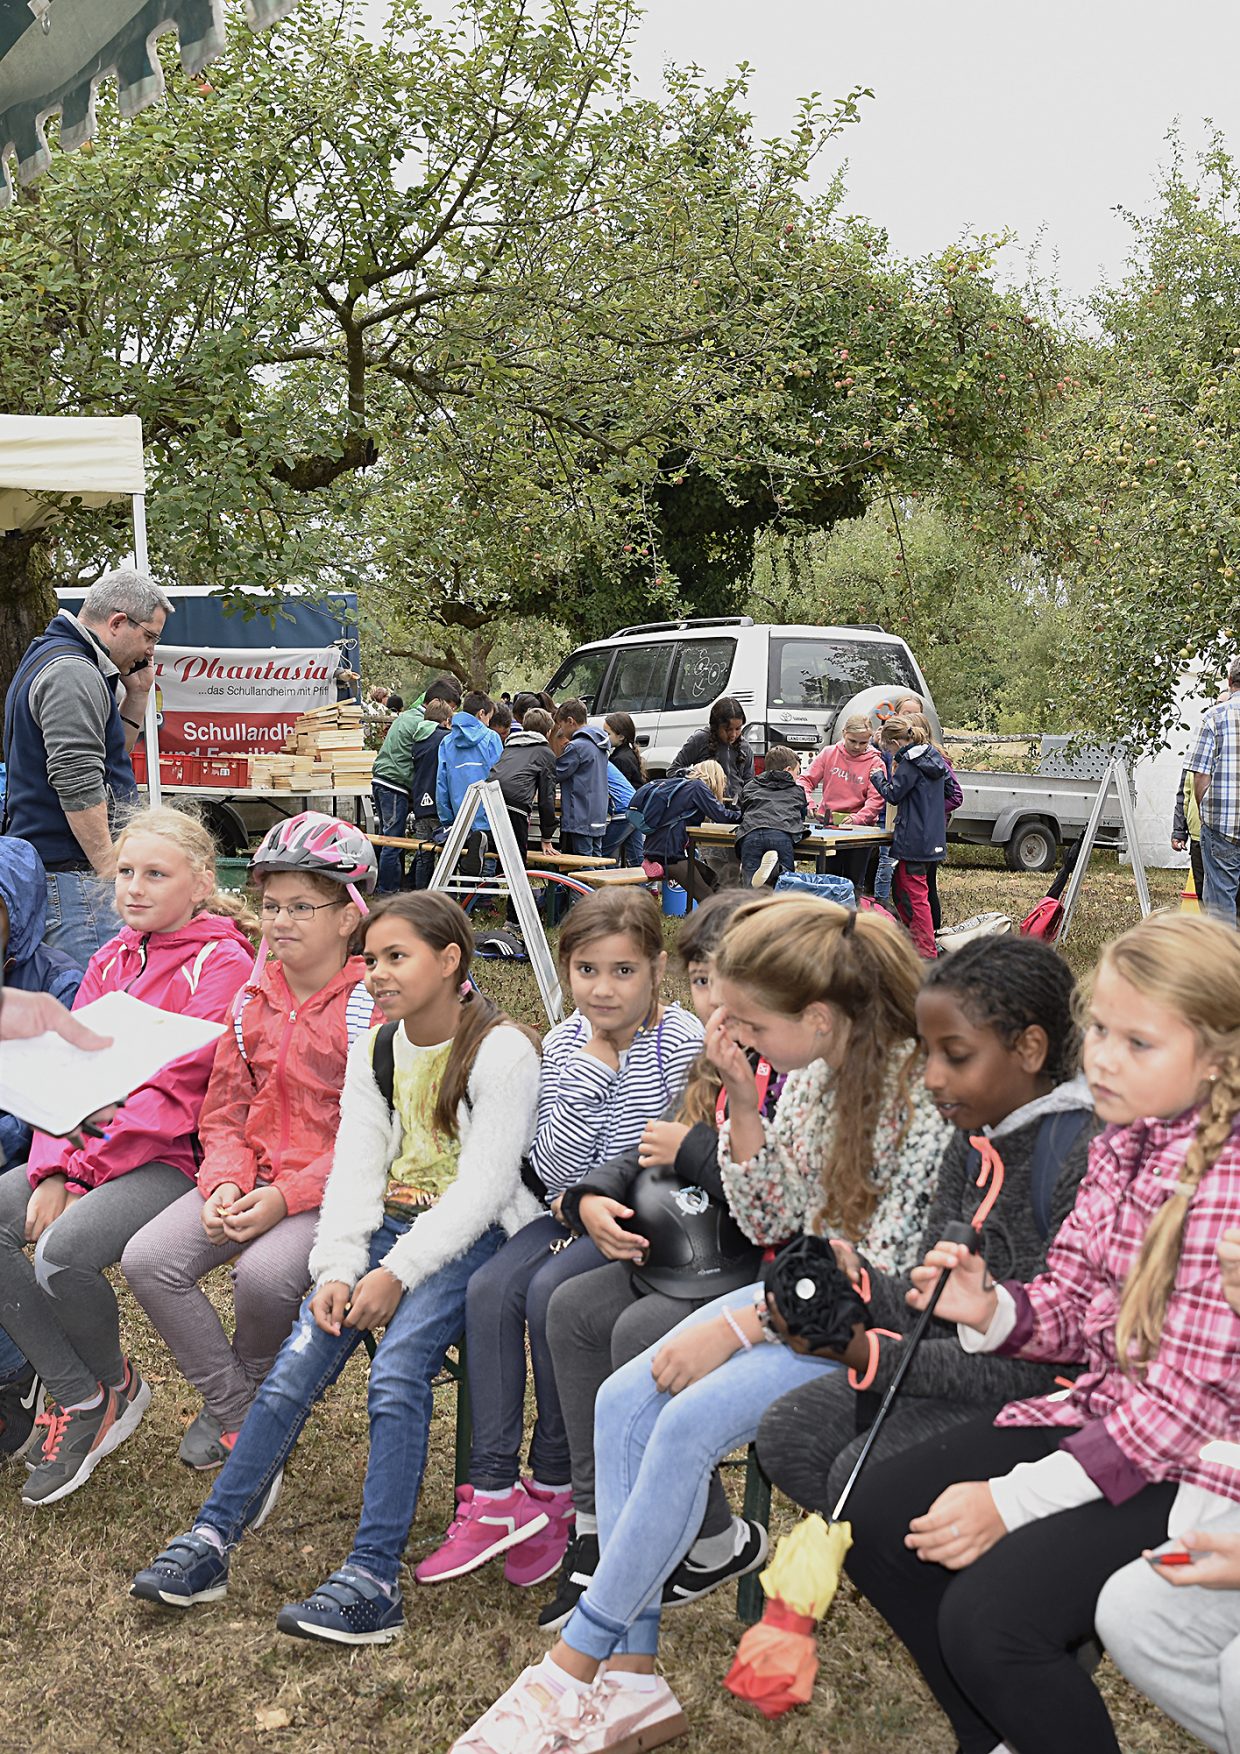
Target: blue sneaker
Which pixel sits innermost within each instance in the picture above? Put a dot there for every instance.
(350, 1608)
(190, 1569)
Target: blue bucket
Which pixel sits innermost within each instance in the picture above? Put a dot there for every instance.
(675, 899)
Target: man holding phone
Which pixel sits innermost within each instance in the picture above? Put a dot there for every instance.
(74, 710)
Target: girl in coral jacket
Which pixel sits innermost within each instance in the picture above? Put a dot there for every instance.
(83, 1198)
(267, 1131)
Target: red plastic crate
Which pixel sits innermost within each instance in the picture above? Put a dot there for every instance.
(224, 770)
(138, 758)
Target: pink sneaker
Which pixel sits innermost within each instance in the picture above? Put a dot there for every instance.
(481, 1528)
(539, 1558)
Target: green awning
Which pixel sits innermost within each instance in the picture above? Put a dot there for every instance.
(52, 52)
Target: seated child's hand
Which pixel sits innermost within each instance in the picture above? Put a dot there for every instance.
(253, 1213)
(598, 1217)
(328, 1305)
(961, 1525)
(45, 1205)
(732, 1063)
(1229, 1265)
(660, 1142)
(374, 1300)
(968, 1297)
(1217, 1566)
(217, 1202)
(686, 1358)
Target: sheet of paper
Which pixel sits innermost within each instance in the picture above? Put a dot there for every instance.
(52, 1085)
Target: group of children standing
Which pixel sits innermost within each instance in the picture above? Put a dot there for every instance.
(378, 1151)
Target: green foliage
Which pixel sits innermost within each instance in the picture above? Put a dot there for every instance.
(989, 634)
(1141, 511)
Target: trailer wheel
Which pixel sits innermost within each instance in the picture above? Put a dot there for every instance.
(1033, 847)
(227, 829)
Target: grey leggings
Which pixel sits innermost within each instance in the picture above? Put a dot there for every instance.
(60, 1310)
(594, 1325)
(809, 1438)
(163, 1264)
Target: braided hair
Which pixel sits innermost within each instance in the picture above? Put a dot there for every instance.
(1011, 984)
(1190, 965)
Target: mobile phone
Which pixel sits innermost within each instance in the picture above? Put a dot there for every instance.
(142, 664)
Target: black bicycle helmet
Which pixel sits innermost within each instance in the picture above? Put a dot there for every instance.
(697, 1249)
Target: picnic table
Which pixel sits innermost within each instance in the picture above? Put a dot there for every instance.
(818, 844)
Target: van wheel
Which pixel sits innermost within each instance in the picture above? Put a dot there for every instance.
(1033, 847)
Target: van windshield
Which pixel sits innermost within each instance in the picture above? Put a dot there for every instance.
(581, 675)
(827, 673)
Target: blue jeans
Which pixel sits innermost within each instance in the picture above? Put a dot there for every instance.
(12, 1362)
(1221, 859)
(80, 914)
(653, 1457)
(391, 815)
(623, 840)
(750, 848)
(410, 1354)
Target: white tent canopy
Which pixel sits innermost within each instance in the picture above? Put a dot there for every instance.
(93, 460)
(84, 458)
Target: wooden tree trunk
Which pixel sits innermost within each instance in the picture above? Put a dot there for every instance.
(27, 597)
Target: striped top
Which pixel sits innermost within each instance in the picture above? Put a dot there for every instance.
(587, 1113)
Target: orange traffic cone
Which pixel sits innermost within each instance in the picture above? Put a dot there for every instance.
(1189, 904)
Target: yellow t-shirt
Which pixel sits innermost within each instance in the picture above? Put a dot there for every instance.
(428, 1160)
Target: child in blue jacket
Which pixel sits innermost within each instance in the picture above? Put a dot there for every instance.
(913, 777)
(581, 768)
(468, 752)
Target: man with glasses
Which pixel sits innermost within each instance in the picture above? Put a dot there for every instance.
(74, 710)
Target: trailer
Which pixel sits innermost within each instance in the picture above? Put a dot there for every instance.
(1033, 815)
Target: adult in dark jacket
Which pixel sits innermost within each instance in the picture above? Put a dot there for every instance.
(669, 809)
(74, 710)
(773, 812)
(721, 742)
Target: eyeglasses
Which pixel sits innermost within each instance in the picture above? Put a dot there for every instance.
(296, 910)
(152, 633)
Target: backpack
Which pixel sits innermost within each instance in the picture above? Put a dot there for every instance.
(1057, 1134)
(383, 1065)
(1045, 920)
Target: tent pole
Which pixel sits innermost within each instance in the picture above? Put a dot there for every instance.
(152, 708)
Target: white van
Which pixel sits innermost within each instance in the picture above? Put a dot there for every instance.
(796, 684)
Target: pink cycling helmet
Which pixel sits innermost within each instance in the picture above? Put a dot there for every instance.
(323, 845)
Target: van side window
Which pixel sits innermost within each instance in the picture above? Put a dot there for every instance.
(827, 673)
(638, 680)
(703, 667)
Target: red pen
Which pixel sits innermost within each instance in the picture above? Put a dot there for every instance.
(1172, 1558)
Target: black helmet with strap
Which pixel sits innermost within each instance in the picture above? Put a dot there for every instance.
(697, 1249)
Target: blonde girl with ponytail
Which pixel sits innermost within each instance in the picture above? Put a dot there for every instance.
(986, 1549)
(826, 996)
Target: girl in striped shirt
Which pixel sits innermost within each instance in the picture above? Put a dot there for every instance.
(609, 1068)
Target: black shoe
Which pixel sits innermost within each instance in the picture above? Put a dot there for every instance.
(576, 1571)
(689, 1583)
(21, 1402)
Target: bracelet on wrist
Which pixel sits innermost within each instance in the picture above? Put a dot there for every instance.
(761, 1309)
(135, 723)
(737, 1329)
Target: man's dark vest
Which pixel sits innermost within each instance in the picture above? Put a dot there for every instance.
(32, 808)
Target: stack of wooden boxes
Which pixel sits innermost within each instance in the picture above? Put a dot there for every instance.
(326, 752)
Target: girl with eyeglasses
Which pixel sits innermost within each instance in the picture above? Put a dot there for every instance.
(266, 1131)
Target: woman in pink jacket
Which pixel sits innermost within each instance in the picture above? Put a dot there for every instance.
(81, 1199)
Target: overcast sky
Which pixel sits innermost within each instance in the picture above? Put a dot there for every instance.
(986, 115)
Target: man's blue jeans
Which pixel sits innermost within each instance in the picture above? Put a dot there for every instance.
(1221, 859)
(410, 1354)
(653, 1456)
(81, 916)
(623, 840)
(391, 815)
(750, 848)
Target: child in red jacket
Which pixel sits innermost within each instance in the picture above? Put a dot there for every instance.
(268, 1129)
(81, 1200)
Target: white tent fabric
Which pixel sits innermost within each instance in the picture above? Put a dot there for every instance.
(90, 459)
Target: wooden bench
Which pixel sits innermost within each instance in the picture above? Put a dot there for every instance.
(622, 876)
(568, 864)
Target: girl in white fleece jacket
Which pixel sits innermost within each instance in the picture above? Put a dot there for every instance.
(420, 1195)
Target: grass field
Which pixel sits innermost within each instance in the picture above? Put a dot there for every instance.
(84, 1668)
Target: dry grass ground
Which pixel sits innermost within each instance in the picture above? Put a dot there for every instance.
(84, 1668)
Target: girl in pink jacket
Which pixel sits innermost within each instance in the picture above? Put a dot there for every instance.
(842, 770)
(82, 1198)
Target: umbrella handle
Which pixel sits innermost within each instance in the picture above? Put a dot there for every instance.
(954, 1232)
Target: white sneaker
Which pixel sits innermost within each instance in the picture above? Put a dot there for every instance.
(766, 866)
(623, 1719)
(269, 1501)
(534, 1716)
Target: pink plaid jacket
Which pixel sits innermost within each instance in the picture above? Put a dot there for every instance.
(1134, 1428)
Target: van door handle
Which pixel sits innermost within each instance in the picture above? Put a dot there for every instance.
(643, 739)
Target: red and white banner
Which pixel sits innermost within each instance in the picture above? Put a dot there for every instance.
(215, 700)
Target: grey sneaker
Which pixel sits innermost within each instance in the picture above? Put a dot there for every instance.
(74, 1444)
(268, 1503)
(204, 1445)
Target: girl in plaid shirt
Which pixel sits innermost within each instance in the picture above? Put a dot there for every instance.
(986, 1548)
